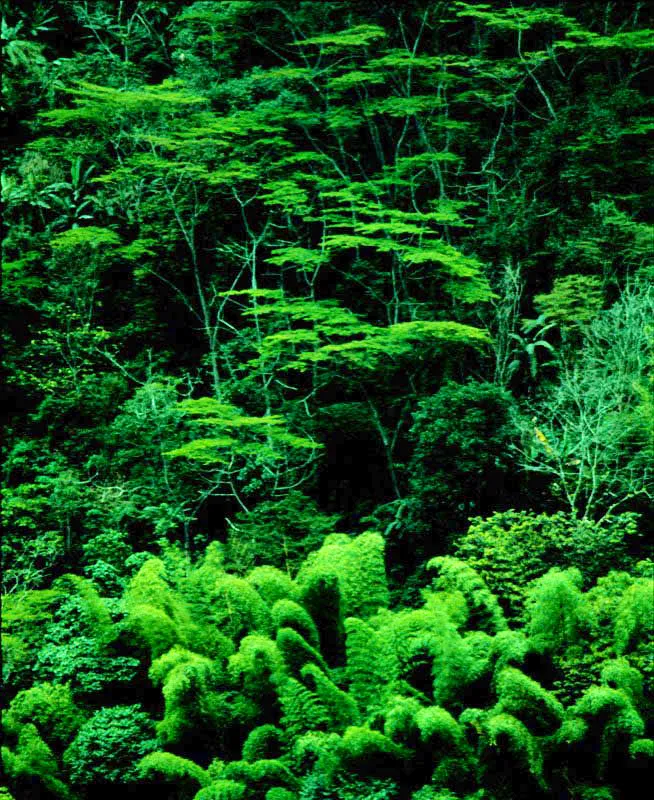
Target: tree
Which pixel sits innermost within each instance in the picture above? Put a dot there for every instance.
(585, 432)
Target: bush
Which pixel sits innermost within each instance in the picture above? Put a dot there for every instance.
(511, 548)
(107, 747)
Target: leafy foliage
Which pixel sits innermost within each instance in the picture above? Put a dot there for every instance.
(329, 400)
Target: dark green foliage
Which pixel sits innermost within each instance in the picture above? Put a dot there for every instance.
(462, 454)
(279, 534)
(509, 549)
(108, 747)
(321, 595)
(276, 270)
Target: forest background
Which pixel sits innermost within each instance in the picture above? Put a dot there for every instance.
(329, 346)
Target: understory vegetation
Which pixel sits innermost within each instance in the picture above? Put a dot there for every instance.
(329, 376)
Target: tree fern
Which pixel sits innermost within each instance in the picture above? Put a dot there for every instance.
(238, 608)
(484, 610)
(256, 665)
(266, 742)
(273, 584)
(358, 565)
(296, 652)
(557, 612)
(181, 778)
(523, 698)
(190, 689)
(372, 664)
(155, 617)
(302, 710)
(223, 790)
(342, 709)
(287, 614)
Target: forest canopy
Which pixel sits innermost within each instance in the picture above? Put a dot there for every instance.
(329, 377)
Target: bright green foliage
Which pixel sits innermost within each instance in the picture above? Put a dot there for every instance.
(609, 715)
(89, 236)
(439, 731)
(358, 566)
(371, 663)
(273, 584)
(619, 675)
(508, 746)
(189, 684)
(222, 790)
(280, 794)
(556, 610)
(264, 742)
(257, 660)
(484, 611)
(401, 705)
(296, 651)
(274, 270)
(519, 695)
(400, 723)
(51, 709)
(33, 764)
(287, 614)
(642, 748)
(260, 775)
(180, 777)
(231, 433)
(24, 618)
(365, 750)
(97, 616)
(634, 617)
(302, 709)
(238, 608)
(574, 301)
(341, 707)
(509, 648)
(459, 663)
(155, 616)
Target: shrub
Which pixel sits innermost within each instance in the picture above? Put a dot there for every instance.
(109, 745)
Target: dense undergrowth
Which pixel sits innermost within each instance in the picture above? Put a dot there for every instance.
(195, 682)
(329, 456)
